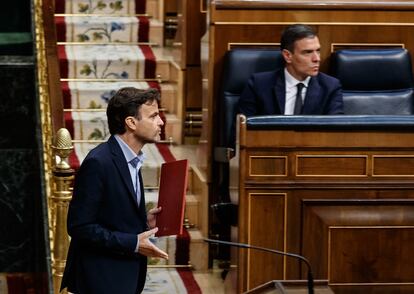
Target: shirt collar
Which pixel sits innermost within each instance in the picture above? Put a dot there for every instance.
(128, 152)
(292, 82)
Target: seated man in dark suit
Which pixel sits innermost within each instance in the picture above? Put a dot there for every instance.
(299, 87)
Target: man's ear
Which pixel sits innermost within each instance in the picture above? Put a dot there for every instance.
(287, 56)
(130, 122)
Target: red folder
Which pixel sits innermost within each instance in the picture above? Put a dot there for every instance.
(171, 197)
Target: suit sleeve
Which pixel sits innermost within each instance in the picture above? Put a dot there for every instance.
(83, 224)
(248, 102)
(335, 105)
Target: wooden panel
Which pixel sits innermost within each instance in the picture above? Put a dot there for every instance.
(331, 165)
(272, 208)
(271, 166)
(171, 6)
(381, 230)
(187, 52)
(384, 255)
(195, 29)
(193, 88)
(393, 165)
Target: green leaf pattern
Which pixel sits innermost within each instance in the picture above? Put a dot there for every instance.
(92, 69)
(99, 134)
(94, 105)
(91, 7)
(103, 32)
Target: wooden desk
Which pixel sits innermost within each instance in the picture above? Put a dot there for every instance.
(339, 191)
(340, 24)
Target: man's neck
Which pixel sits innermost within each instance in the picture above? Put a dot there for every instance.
(131, 141)
(294, 75)
(294, 79)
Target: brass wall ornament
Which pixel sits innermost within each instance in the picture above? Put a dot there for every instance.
(62, 147)
(63, 176)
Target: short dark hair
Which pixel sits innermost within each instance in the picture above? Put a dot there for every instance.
(293, 33)
(127, 102)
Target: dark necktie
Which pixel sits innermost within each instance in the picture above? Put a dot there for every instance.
(298, 101)
(134, 163)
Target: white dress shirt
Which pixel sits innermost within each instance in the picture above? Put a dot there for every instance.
(291, 91)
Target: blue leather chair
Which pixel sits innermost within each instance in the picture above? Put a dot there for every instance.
(375, 81)
(238, 66)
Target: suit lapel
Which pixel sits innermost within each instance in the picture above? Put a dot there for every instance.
(279, 92)
(122, 167)
(312, 100)
(142, 207)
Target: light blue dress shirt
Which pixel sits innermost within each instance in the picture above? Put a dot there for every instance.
(130, 156)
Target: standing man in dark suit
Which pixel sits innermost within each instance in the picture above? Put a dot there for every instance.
(107, 219)
(299, 87)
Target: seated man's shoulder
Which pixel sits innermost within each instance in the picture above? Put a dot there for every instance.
(265, 76)
(327, 78)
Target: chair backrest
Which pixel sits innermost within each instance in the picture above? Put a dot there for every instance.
(239, 65)
(375, 81)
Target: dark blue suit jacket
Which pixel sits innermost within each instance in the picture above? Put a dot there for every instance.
(103, 221)
(265, 94)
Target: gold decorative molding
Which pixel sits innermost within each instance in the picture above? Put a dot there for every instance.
(57, 172)
(45, 111)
